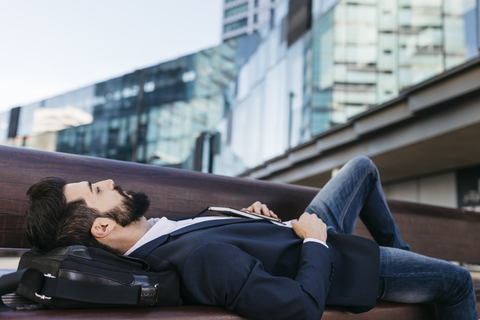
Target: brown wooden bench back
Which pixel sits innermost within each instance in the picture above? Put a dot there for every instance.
(449, 234)
(444, 233)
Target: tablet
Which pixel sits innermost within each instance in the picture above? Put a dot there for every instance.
(242, 213)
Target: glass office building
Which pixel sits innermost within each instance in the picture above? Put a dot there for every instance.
(231, 108)
(155, 115)
(241, 17)
(36, 125)
(4, 125)
(151, 115)
(354, 55)
(365, 52)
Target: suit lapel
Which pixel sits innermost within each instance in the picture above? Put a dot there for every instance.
(148, 247)
(193, 217)
(212, 223)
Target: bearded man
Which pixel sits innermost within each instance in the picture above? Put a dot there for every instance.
(261, 269)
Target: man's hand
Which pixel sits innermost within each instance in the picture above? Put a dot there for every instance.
(310, 226)
(261, 208)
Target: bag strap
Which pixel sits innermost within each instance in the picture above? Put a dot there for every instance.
(137, 295)
(9, 282)
(45, 287)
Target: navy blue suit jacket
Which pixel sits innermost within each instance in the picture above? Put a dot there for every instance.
(265, 271)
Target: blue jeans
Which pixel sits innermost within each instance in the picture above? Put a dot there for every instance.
(404, 276)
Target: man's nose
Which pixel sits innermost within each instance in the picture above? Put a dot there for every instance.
(110, 184)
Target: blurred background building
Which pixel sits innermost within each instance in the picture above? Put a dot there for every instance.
(297, 89)
(152, 115)
(242, 17)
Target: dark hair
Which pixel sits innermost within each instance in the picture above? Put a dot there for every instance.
(52, 222)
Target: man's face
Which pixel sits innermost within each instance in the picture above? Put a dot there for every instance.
(101, 195)
(109, 200)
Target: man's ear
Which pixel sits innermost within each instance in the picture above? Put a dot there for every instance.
(102, 227)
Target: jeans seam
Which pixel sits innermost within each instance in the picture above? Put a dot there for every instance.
(354, 193)
(419, 273)
(445, 274)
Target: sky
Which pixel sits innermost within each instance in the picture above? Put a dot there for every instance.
(49, 47)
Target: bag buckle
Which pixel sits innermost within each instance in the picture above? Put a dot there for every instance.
(157, 291)
(148, 295)
(42, 296)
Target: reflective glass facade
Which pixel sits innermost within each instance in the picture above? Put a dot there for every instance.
(257, 127)
(235, 25)
(242, 17)
(155, 115)
(70, 109)
(356, 55)
(4, 125)
(236, 10)
(366, 51)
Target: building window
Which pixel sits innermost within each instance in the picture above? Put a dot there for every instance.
(256, 3)
(112, 138)
(236, 10)
(228, 1)
(235, 25)
(272, 18)
(255, 18)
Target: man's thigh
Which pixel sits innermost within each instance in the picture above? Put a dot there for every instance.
(341, 199)
(413, 278)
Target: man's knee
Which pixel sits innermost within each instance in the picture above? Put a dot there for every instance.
(362, 162)
(462, 287)
(466, 279)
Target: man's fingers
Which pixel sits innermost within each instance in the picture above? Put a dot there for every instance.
(272, 214)
(310, 226)
(307, 215)
(265, 210)
(256, 207)
(261, 208)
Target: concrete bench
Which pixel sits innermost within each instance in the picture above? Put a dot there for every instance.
(444, 233)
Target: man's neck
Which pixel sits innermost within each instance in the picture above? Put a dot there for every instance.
(125, 237)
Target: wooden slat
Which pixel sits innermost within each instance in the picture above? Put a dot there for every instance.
(439, 232)
(382, 311)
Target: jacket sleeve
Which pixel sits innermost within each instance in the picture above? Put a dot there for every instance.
(223, 274)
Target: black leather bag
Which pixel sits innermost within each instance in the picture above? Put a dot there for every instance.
(84, 277)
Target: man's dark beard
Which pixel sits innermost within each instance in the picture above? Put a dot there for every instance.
(134, 206)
